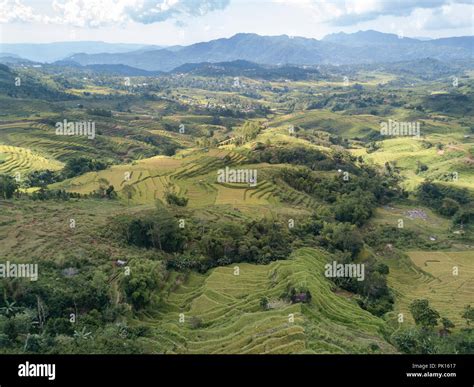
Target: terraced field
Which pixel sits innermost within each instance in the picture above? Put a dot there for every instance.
(431, 275)
(222, 312)
(408, 153)
(111, 141)
(21, 160)
(349, 126)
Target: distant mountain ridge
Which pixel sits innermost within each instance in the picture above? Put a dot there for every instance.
(337, 49)
(363, 47)
(50, 52)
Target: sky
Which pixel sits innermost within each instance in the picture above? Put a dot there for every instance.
(171, 22)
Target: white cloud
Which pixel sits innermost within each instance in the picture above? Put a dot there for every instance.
(14, 10)
(98, 13)
(350, 12)
(450, 16)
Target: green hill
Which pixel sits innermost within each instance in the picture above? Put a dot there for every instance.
(222, 312)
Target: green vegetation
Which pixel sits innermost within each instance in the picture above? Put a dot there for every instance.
(141, 249)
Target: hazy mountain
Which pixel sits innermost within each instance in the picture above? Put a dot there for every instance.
(466, 42)
(120, 69)
(367, 38)
(272, 50)
(372, 38)
(49, 52)
(360, 47)
(12, 59)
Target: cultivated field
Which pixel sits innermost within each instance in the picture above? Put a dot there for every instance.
(222, 312)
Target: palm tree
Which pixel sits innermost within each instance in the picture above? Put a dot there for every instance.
(9, 309)
(82, 334)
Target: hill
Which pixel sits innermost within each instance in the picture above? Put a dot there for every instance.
(50, 52)
(222, 313)
(246, 69)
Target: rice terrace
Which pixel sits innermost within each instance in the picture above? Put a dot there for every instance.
(233, 192)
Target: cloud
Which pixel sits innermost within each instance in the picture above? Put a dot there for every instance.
(14, 10)
(98, 13)
(351, 12)
(151, 11)
(437, 14)
(450, 17)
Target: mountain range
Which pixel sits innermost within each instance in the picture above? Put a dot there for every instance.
(363, 47)
(50, 52)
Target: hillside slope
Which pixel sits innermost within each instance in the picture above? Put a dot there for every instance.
(222, 313)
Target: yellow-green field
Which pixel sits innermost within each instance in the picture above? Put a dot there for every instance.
(231, 320)
(15, 160)
(432, 225)
(432, 275)
(407, 152)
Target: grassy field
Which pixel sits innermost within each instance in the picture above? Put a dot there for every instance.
(408, 152)
(429, 274)
(335, 123)
(40, 231)
(429, 226)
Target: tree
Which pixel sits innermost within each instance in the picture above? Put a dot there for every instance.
(59, 326)
(342, 236)
(33, 343)
(195, 322)
(8, 186)
(173, 198)
(447, 324)
(143, 280)
(413, 341)
(79, 165)
(249, 130)
(423, 315)
(449, 207)
(468, 314)
(164, 231)
(356, 209)
(10, 308)
(264, 303)
(110, 192)
(82, 334)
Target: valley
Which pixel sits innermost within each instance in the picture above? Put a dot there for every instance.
(198, 212)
